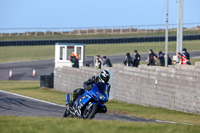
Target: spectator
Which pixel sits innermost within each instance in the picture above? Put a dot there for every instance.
(150, 58)
(75, 62)
(136, 60)
(157, 61)
(181, 59)
(74, 54)
(161, 57)
(186, 55)
(98, 62)
(128, 60)
(169, 60)
(106, 62)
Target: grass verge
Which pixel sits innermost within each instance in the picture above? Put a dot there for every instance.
(14, 124)
(24, 53)
(32, 89)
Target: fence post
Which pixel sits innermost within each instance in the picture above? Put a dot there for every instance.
(61, 31)
(79, 31)
(87, 31)
(18, 32)
(52, 31)
(112, 30)
(146, 28)
(154, 28)
(104, 30)
(130, 29)
(70, 31)
(27, 32)
(1, 32)
(196, 26)
(35, 32)
(9, 32)
(121, 30)
(138, 28)
(45, 32)
(95, 30)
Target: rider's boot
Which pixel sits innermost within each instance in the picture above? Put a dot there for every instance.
(71, 103)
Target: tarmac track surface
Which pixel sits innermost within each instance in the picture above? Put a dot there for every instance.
(17, 105)
(23, 70)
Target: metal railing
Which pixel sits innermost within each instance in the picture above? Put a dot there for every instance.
(95, 30)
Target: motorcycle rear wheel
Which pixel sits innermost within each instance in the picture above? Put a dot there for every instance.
(91, 112)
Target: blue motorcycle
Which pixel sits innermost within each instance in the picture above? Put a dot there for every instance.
(87, 105)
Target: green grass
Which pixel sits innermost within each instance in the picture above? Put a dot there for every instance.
(24, 53)
(32, 89)
(42, 37)
(14, 124)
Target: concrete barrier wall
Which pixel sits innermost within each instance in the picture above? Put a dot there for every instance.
(67, 79)
(175, 88)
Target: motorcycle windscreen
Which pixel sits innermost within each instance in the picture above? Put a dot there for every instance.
(101, 86)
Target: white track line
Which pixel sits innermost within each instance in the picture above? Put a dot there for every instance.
(32, 98)
(65, 106)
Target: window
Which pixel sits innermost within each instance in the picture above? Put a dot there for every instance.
(78, 50)
(62, 52)
(70, 52)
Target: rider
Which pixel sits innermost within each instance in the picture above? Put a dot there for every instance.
(103, 77)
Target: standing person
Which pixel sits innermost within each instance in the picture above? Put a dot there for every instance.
(157, 61)
(98, 62)
(75, 62)
(137, 58)
(128, 60)
(161, 57)
(106, 62)
(150, 59)
(186, 55)
(73, 54)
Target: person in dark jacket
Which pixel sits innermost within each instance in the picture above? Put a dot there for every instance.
(103, 77)
(169, 60)
(106, 62)
(186, 55)
(75, 62)
(150, 58)
(161, 57)
(136, 60)
(128, 60)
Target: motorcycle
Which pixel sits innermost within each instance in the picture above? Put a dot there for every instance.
(89, 103)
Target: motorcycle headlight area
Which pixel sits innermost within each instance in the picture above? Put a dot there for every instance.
(102, 97)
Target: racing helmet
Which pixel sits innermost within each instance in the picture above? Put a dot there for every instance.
(104, 76)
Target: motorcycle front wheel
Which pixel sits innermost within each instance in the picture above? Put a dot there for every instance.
(66, 114)
(89, 113)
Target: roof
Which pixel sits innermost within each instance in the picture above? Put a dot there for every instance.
(70, 44)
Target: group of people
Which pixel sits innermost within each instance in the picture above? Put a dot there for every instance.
(154, 60)
(130, 61)
(157, 60)
(183, 58)
(105, 62)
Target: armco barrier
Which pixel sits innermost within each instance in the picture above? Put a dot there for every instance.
(175, 88)
(97, 41)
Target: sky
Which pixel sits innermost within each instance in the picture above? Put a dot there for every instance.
(92, 13)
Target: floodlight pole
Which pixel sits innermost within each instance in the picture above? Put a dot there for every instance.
(179, 38)
(166, 36)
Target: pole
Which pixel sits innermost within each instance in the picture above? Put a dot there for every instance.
(166, 36)
(179, 41)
